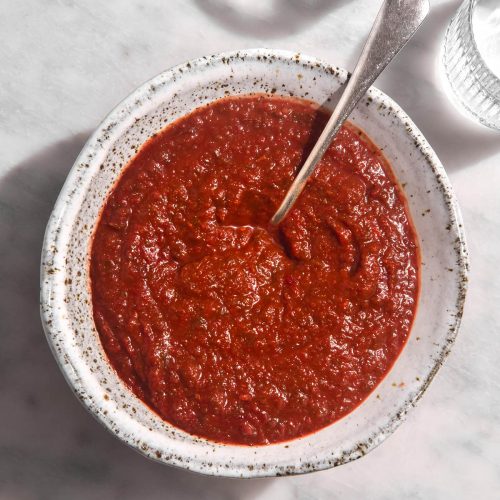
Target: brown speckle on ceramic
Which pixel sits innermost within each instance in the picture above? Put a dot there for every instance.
(65, 296)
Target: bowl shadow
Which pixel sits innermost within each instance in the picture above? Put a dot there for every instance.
(50, 447)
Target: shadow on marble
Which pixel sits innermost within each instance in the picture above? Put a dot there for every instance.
(267, 20)
(458, 141)
(50, 447)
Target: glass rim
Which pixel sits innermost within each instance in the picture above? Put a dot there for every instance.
(493, 79)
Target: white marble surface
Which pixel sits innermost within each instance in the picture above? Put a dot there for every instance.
(64, 64)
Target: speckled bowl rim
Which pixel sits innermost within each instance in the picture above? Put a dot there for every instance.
(62, 210)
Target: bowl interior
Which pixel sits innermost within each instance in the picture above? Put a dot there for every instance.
(66, 304)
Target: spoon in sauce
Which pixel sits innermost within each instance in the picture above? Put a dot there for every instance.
(396, 22)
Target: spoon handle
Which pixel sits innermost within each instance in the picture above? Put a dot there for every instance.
(395, 24)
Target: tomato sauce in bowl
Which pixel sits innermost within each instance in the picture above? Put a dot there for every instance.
(232, 329)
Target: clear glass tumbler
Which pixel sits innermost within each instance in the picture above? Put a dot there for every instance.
(471, 60)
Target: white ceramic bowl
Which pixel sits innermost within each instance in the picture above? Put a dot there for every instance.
(65, 296)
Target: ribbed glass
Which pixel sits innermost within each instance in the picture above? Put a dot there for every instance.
(474, 85)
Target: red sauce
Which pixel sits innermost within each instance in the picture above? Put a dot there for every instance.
(226, 327)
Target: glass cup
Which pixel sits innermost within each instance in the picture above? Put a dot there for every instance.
(471, 60)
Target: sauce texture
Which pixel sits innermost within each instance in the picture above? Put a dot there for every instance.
(234, 330)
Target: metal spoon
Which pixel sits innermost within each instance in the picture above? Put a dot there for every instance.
(395, 24)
